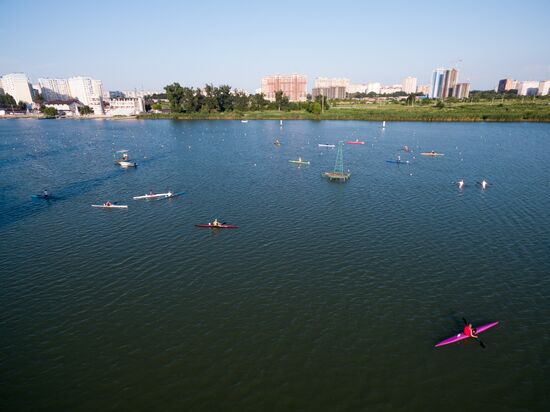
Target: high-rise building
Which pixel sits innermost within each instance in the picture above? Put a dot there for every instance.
(394, 88)
(449, 82)
(89, 91)
(443, 83)
(461, 91)
(54, 89)
(17, 86)
(373, 88)
(423, 88)
(528, 88)
(436, 85)
(544, 88)
(356, 88)
(409, 85)
(293, 86)
(331, 88)
(507, 84)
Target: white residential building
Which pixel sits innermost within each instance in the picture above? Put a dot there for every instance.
(89, 91)
(54, 89)
(373, 88)
(141, 93)
(129, 106)
(394, 88)
(356, 88)
(325, 82)
(528, 88)
(409, 85)
(17, 85)
(544, 88)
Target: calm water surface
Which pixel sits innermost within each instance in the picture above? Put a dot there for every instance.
(329, 296)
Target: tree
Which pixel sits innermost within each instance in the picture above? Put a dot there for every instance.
(281, 101)
(224, 98)
(188, 101)
(241, 101)
(323, 102)
(6, 100)
(21, 105)
(38, 98)
(411, 99)
(440, 104)
(313, 107)
(258, 102)
(174, 93)
(50, 111)
(156, 106)
(210, 99)
(85, 110)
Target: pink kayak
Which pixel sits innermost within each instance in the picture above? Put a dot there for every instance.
(354, 142)
(462, 336)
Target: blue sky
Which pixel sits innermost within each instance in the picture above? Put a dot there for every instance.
(138, 44)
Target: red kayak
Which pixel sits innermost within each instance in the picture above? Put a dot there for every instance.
(355, 142)
(461, 336)
(210, 226)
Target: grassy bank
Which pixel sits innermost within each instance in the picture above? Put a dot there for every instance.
(454, 112)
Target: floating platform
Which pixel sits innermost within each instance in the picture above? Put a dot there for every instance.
(336, 176)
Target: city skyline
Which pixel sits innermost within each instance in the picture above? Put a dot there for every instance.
(146, 46)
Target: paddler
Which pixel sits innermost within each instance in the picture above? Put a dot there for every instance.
(45, 193)
(470, 331)
(461, 183)
(108, 203)
(215, 223)
(484, 184)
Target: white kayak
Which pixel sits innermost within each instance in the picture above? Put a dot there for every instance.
(154, 196)
(327, 145)
(111, 206)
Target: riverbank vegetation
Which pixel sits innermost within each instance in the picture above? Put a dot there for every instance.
(222, 102)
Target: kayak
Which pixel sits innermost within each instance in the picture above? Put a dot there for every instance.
(354, 142)
(327, 145)
(398, 161)
(222, 226)
(111, 206)
(158, 196)
(432, 154)
(126, 164)
(462, 336)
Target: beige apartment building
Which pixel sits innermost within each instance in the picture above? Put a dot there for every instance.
(293, 86)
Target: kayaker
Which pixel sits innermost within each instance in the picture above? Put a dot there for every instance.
(470, 331)
(484, 184)
(108, 203)
(45, 193)
(461, 183)
(215, 223)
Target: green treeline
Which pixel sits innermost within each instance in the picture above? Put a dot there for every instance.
(222, 99)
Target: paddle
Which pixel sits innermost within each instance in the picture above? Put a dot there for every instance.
(479, 340)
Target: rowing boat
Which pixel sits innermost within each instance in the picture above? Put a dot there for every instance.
(300, 161)
(327, 145)
(432, 154)
(220, 226)
(461, 336)
(104, 206)
(157, 196)
(45, 197)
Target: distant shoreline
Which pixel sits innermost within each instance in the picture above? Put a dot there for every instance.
(472, 114)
